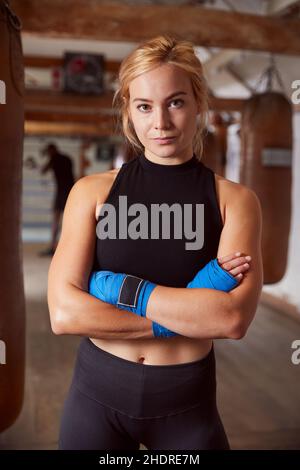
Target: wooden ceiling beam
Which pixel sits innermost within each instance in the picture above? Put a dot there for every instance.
(92, 19)
(55, 116)
(46, 99)
(221, 59)
(65, 129)
(282, 7)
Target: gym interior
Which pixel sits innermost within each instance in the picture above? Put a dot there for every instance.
(58, 75)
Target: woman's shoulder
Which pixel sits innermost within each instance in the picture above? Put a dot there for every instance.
(97, 181)
(231, 188)
(95, 187)
(231, 192)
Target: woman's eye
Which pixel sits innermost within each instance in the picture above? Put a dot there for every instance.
(143, 107)
(178, 103)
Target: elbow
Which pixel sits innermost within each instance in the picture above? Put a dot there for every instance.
(60, 311)
(238, 332)
(238, 327)
(58, 322)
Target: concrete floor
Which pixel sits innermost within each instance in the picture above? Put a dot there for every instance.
(258, 386)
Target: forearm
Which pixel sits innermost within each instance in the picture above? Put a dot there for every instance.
(195, 313)
(79, 313)
(133, 294)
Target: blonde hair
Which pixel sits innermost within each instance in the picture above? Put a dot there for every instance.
(147, 56)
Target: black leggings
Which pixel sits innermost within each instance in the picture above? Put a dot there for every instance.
(114, 403)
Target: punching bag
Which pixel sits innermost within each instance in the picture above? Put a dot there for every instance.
(12, 303)
(266, 167)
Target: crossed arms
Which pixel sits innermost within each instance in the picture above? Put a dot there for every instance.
(194, 313)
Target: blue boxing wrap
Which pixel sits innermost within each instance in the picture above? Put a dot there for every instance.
(160, 331)
(132, 293)
(212, 276)
(122, 290)
(126, 292)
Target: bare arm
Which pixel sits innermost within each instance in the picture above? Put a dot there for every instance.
(206, 313)
(72, 309)
(200, 313)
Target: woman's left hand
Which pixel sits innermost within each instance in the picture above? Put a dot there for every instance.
(236, 264)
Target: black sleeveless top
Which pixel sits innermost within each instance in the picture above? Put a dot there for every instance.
(165, 261)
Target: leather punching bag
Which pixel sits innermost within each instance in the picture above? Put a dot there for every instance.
(266, 167)
(12, 303)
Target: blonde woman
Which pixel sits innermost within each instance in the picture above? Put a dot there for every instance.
(140, 270)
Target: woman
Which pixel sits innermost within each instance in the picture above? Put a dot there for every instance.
(148, 375)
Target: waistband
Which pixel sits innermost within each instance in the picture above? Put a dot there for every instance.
(144, 390)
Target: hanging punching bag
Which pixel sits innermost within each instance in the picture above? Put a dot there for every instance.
(12, 304)
(266, 167)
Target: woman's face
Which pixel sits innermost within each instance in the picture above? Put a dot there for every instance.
(162, 106)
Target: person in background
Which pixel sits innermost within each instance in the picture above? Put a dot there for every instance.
(62, 167)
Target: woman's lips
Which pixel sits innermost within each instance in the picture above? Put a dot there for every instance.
(167, 140)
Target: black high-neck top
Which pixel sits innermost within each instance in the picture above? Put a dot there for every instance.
(165, 261)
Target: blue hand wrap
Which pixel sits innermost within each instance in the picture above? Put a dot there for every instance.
(160, 331)
(127, 293)
(132, 293)
(212, 276)
(122, 290)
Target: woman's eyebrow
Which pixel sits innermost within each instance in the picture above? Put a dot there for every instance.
(168, 97)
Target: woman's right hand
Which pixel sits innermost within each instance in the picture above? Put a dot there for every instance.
(235, 264)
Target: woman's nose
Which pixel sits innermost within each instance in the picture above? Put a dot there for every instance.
(161, 119)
